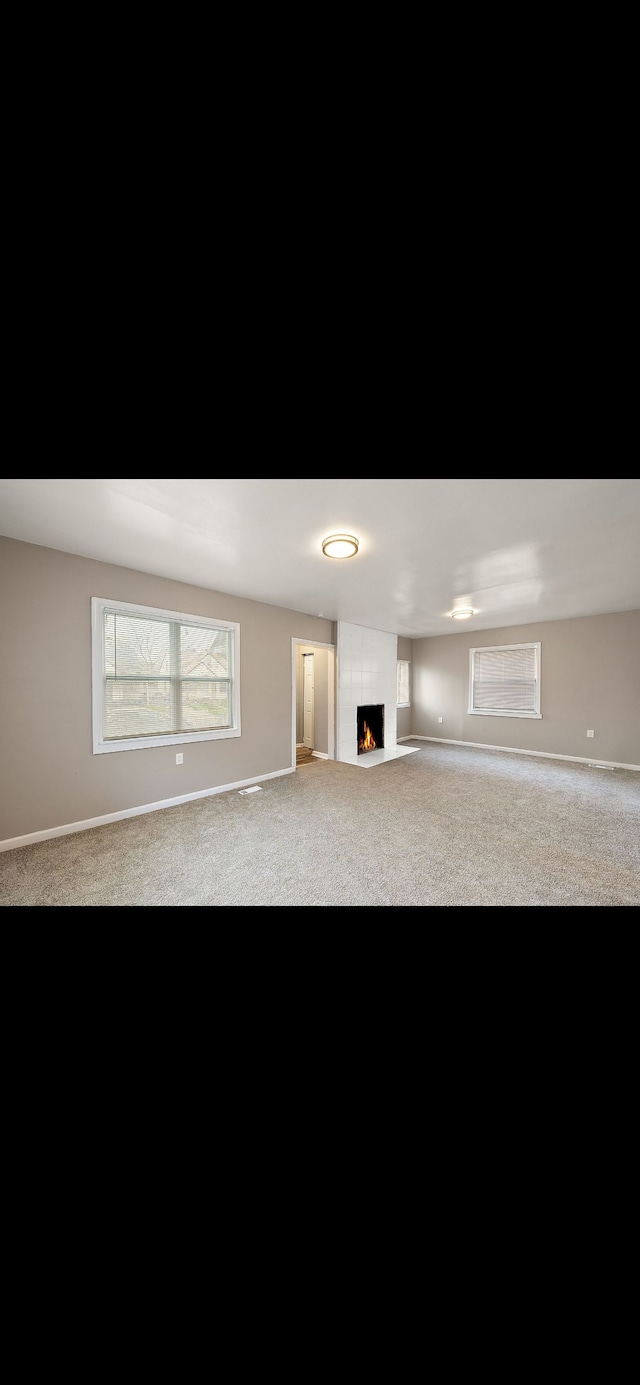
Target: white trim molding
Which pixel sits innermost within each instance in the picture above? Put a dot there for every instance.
(540, 754)
(11, 843)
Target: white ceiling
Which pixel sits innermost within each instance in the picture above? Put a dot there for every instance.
(518, 551)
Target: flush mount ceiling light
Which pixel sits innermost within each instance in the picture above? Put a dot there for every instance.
(462, 612)
(340, 546)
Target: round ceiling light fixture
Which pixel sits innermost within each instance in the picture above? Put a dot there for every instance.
(462, 612)
(340, 546)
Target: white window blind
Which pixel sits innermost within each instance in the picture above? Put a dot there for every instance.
(505, 680)
(402, 693)
(160, 676)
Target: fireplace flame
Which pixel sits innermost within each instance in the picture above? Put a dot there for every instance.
(366, 742)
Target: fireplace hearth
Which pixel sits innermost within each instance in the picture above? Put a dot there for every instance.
(370, 728)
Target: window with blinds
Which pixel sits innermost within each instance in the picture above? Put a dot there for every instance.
(402, 692)
(504, 680)
(160, 677)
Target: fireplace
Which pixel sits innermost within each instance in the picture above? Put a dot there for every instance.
(370, 728)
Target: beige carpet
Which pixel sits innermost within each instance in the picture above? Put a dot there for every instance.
(449, 825)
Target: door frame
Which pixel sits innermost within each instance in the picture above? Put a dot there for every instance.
(331, 700)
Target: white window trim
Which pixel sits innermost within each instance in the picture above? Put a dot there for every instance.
(403, 661)
(528, 716)
(103, 747)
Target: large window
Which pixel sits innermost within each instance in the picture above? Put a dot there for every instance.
(162, 678)
(402, 694)
(504, 680)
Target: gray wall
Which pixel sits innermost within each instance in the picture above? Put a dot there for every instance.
(590, 678)
(48, 774)
(405, 651)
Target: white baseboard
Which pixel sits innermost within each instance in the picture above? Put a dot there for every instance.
(12, 842)
(540, 754)
(319, 755)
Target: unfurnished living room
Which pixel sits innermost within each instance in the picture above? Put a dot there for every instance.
(320, 693)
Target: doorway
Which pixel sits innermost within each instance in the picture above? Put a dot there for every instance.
(313, 701)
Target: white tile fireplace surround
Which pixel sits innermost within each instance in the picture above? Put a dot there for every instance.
(367, 662)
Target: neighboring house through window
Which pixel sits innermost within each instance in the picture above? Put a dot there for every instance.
(402, 695)
(504, 680)
(161, 677)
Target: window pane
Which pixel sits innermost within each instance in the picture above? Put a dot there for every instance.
(158, 675)
(140, 646)
(403, 680)
(137, 707)
(204, 652)
(205, 705)
(505, 680)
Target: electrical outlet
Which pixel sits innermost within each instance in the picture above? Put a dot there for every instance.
(179, 759)
(590, 733)
(440, 719)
